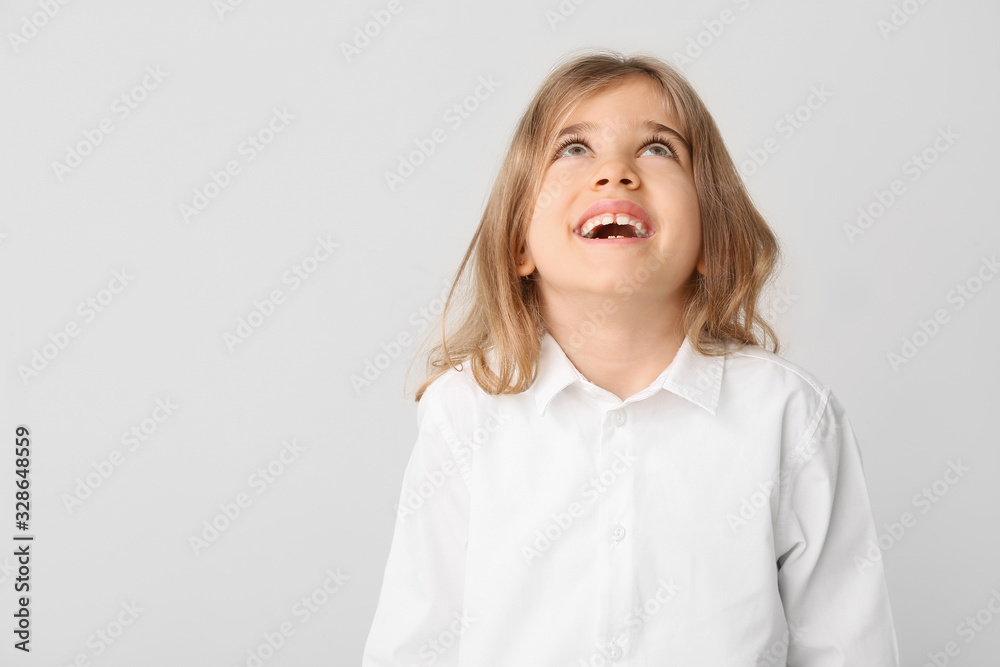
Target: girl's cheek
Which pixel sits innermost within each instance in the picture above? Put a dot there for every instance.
(555, 188)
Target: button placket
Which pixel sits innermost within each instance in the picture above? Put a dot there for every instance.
(617, 500)
(617, 531)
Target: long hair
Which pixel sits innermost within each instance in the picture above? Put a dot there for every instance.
(502, 312)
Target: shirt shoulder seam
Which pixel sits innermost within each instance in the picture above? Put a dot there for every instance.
(820, 388)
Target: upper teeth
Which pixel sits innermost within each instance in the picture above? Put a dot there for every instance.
(587, 230)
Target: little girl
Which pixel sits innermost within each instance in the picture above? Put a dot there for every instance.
(610, 468)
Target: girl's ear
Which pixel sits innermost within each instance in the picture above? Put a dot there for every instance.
(525, 265)
(700, 266)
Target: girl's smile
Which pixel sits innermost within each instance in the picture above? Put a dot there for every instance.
(613, 218)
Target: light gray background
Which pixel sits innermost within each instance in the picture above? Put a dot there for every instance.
(846, 306)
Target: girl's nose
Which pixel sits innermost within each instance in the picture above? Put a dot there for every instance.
(617, 172)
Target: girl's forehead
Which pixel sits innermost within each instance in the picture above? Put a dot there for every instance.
(628, 91)
(626, 106)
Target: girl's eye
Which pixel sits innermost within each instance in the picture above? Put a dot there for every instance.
(572, 145)
(668, 150)
(570, 142)
(663, 143)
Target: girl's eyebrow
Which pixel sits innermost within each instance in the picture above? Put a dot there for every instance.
(650, 125)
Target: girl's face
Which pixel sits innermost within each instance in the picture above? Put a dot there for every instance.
(623, 151)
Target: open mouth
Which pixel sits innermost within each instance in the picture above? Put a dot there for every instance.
(614, 226)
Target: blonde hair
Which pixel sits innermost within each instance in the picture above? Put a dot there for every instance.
(502, 310)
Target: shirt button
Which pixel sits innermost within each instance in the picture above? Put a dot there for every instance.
(614, 651)
(618, 416)
(617, 532)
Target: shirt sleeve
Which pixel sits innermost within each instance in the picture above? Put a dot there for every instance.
(831, 584)
(419, 616)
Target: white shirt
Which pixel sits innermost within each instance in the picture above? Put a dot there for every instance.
(719, 517)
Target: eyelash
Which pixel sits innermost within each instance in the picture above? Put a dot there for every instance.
(577, 139)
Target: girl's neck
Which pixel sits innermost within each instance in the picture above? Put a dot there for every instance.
(621, 351)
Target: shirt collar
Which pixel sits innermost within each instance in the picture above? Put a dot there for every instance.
(691, 375)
